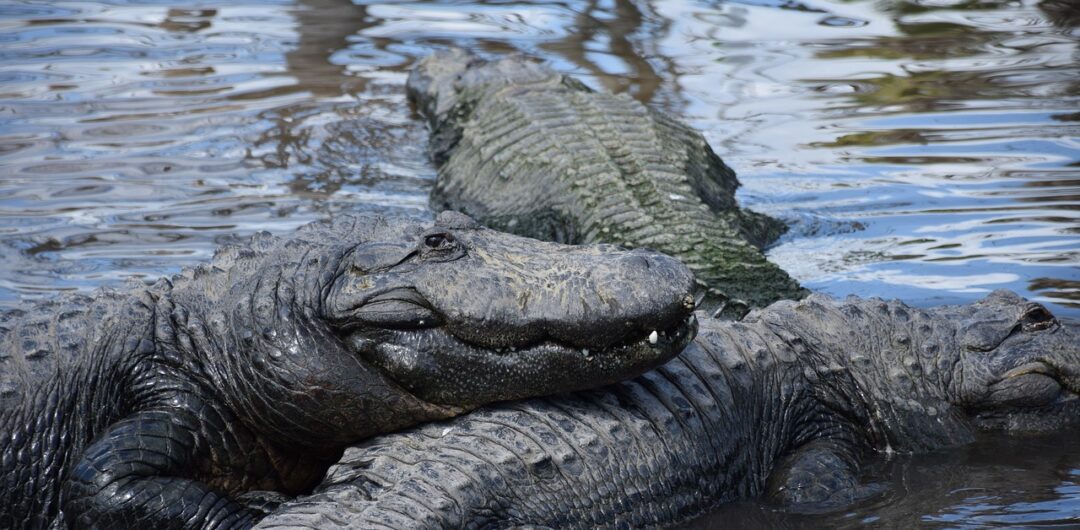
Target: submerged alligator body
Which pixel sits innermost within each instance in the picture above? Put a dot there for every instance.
(787, 405)
(527, 150)
(166, 406)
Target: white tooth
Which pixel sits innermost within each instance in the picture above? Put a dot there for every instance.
(585, 352)
(653, 337)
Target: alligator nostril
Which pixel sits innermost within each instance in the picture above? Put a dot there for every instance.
(641, 261)
(689, 302)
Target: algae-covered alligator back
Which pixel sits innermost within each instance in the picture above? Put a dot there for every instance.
(528, 150)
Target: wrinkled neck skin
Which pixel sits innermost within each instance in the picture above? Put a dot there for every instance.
(255, 352)
(54, 403)
(883, 371)
(165, 348)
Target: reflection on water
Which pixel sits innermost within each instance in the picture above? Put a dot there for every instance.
(920, 149)
(931, 128)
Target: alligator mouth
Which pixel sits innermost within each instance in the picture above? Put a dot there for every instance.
(1061, 412)
(1039, 370)
(658, 342)
(1029, 398)
(403, 317)
(674, 336)
(1032, 384)
(438, 367)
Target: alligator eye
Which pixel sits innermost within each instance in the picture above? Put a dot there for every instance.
(440, 245)
(1036, 318)
(439, 241)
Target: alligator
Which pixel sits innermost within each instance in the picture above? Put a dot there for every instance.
(789, 405)
(527, 150)
(189, 403)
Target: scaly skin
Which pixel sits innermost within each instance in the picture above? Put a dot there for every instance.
(787, 404)
(527, 150)
(168, 406)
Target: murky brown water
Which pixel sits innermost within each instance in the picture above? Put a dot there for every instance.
(928, 150)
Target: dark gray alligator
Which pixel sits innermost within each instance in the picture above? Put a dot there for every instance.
(525, 149)
(787, 405)
(160, 407)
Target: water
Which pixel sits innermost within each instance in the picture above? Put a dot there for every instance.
(926, 150)
(1019, 482)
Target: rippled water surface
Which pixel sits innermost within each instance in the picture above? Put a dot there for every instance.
(928, 150)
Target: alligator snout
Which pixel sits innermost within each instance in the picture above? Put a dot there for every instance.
(643, 294)
(589, 297)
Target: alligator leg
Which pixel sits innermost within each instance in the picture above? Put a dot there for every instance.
(136, 475)
(820, 476)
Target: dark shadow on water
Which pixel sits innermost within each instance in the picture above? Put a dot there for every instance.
(997, 481)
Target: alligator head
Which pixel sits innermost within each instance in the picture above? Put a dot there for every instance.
(362, 325)
(459, 314)
(917, 379)
(1019, 367)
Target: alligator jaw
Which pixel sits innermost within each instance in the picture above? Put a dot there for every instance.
(437, 367)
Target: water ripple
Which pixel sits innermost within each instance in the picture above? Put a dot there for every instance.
(920, 149)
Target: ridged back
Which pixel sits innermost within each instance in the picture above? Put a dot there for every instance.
(39, 340)
(559, 162)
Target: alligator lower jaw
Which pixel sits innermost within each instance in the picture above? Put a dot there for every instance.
(1064, 412)
(673, 338)
(437, 367)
